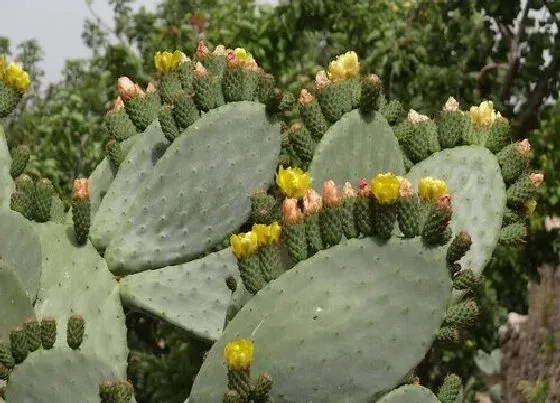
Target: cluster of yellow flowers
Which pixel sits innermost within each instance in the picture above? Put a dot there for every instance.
(483, 115)
(239, 355)
(242, 55)
(387, 188)
(246, 244)
(431, 189)
(167, 62)
(344, 66)
(14, 76)
(293, 182)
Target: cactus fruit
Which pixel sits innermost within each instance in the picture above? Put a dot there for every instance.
(48, 332)
(14, 82)
(81, 210)
(450, 389)
(20, 157)
(75, 331)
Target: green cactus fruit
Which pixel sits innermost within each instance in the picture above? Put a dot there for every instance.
(9, 98)
(349, 225)
(215, 63)
(250, 272)
(81, 210)
(19, 203)
(119, 125)
(364, 212)
(473, 178)
(328, 329)
(313, 233)
(122, 392)
(428, 130)
(274, 101)
(448, 335)
(510, 217)
(437, 222)
(6, 181)
(233, 396)
(44, 191)
(167, 122)
(355, 92)
(265, 85)
(18, 343)
(413, 141)
(75, 331)
(32, 330)
(335, 99)
(143, 110)
(450, 389)
(14, 300)
(462, 314)
(287, 102)
(385, 216)
(6, 358)
(262, 387)
(58, 213)
(107, 391)
(408, 214)
(4, 373)
(356, 147)
(240, 380)
(451, 125)
(371, 87)
(466, 280)
(184, 111)
(192, 295)
(513, 234)
(474, 134)
(169, 85)
(185, 74)
(512, 162)
(218, 195)
(114, 153)
(392, 110)
(295, 239)
(460, 245)
(499, 136)
(20, 157)
(312, 116)
(521, 191)
(206, 89)
(269, 262)
(410, 394)
(302, 143)
(239, 84)
(331, 225)
(72, 376)
(48, 332)
(264, 209)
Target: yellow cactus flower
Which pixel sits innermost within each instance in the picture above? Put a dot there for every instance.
(293, 182)
(242, 55)
(267, 234)
(16, 77)
(483, 115)
(344, 66)
(239, 354)
(166, 62)
(431, 189)
(244, 244)
(386, 188)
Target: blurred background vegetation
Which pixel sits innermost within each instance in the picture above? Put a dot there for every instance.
(424, 51)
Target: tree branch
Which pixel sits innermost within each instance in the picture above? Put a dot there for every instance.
(488, 67)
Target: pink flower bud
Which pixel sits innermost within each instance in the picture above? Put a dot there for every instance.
(348, 191)
(80, 189)
(118, 104)
(202, 50)
(523, 147)
(443, 203)
(127, 89)
(536, 179)
(291, 213)
(331, 195)
(199, 70)
(312, 202)
(151, 87)
(321, 79)
(363, 188)
(305, 97)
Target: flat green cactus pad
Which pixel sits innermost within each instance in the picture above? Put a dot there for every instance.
(410, 394)
(6, 183)
(101, 178)
(76, 280)
(193, 295)
(15, 305)
(474, 179)
(20, 249)
(61, 376)
(199, 190)
(344, 325)
(356, 147)
(133, 172)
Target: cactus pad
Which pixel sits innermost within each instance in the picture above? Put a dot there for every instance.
(133, 172)
(473, 178)
(410, 394)
(61, 376)
(199, 190)
(330, 328)
(76, 280)
(6, 182)
(193, 296)
(14, 302)
(356, 147)
(20, 249)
